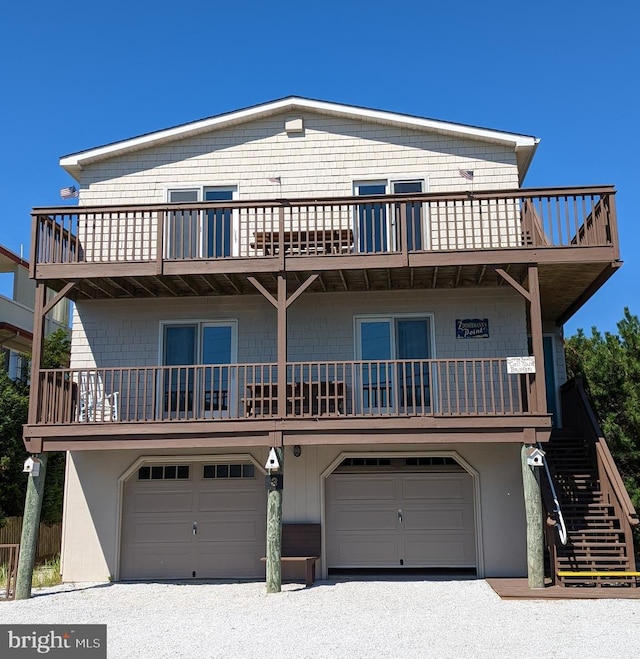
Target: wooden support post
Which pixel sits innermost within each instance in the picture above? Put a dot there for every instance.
(535, 317)
(160, 242)
(537, 392)
(274, 522)
(30, 529)
(535, 532)
(282, 344)
(36, 351)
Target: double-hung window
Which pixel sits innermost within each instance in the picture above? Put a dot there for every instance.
(202, 233)
(379, 224)
(200, 383)
(394, 372)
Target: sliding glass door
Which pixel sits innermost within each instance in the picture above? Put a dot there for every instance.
(373, 226)
(200, 382)
(413, 212)
(378, 224)
(219, 229)
(207, 234)
(394, 375)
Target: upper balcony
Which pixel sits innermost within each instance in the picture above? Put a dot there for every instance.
(357, 243)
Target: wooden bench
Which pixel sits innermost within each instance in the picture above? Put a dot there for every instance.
(303, 398)
(312, 241)
(301, 546)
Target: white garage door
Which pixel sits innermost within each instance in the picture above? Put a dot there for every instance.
(400, 519)
(196, 520)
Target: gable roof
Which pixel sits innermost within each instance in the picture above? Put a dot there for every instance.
(524, 145)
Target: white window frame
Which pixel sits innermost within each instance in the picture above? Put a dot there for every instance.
(389, 183)
(200, 326)
(201, 189)
(359, 319)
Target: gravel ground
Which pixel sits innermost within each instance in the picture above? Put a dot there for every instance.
(439, 619)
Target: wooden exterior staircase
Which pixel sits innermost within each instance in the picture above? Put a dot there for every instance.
(596, 508)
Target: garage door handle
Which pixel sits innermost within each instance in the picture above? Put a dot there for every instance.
(400, 516)
(195, 528)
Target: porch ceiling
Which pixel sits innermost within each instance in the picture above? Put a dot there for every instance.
(564, 287)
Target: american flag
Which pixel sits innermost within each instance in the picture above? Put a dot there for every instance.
(69, 193)
(275, 179)
(466, 173)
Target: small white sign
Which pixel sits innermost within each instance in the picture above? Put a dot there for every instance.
(517, 365)
(272, 460)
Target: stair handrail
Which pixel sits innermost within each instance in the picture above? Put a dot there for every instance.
(603, 454)
(562, 528)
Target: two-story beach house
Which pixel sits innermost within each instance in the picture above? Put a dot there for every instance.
(374, 292)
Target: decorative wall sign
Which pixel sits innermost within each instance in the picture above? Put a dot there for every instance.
(521, 365)
(472, 328)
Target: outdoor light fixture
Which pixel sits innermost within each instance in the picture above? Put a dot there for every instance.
(297, 450)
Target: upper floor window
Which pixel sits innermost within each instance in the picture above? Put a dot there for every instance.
(202, 234)
(378, 225)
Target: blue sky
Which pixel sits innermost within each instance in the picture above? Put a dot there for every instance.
(77, 74)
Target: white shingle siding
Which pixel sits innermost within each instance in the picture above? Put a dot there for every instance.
(321, 327)
(324, 161)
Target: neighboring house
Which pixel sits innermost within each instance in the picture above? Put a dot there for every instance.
(350, 284)
(16, 315)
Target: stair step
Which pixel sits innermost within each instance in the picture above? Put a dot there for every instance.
(586, 564)
(595, 544)
(576, 527)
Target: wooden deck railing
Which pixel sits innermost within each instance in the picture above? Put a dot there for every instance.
(434, 387)
(9, 566)
(147, 233)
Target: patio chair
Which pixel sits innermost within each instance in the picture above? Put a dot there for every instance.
(94, 404)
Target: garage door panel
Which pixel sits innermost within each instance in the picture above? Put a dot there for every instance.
(230, 530)
(436, 488)
(348, 488)
(158, 501)
(152, 531)
(232, 562)
(364, 520)
(440, 550)
(233, 500)
(441, 517)
(152, 562)
(367, 551)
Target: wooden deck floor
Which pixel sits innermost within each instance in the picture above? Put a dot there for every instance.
(519, 589)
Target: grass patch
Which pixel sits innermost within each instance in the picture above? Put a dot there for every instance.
(47, 574)
(44, 575)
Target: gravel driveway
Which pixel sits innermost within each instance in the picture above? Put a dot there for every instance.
(439, 619)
